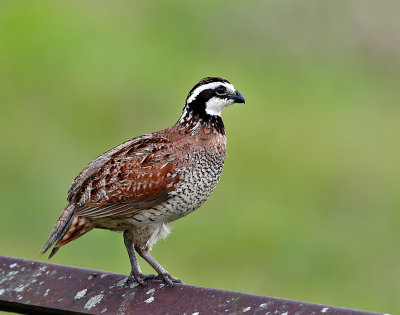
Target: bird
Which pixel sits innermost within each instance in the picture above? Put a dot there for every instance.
(143, 184)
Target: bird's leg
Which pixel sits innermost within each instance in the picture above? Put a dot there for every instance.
(136, 273)
(162, 273)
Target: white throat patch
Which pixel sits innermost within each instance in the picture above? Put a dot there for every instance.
(215, 105)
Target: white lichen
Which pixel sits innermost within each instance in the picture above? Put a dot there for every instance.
(13, 265)
(20, 288)
(324, 309)
(151, 291)
(93, 301)
(133, 285)
(80, 294)
(246, 309)
(12, 273)
(149, 300)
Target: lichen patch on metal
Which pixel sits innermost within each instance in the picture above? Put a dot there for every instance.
(151, 291)
(28, 284)
(20, 288)
(80, 294)
(121, 283)
(93, 301)
(133, 285)
(149, 300)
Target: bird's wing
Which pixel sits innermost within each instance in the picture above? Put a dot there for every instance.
(137, 176)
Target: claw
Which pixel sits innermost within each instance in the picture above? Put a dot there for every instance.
(168, 279)
(140, 278)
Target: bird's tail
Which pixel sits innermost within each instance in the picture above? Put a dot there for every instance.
(59, 230)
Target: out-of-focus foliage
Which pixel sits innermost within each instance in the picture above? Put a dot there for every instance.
(308, 205)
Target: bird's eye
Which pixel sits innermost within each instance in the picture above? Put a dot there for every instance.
(221, 90)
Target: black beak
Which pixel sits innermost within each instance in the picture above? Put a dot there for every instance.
(238, 97)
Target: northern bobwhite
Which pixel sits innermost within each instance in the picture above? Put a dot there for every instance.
(144, 183)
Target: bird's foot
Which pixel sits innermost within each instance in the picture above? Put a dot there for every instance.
(168, 279)
(140, 278)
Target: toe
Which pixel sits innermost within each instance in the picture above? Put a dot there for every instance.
(138, 278)
(148, 276)
(168, 279)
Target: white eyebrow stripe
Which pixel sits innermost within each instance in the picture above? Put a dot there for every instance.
(207, 86)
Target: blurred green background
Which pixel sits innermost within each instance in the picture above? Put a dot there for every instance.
(308, 204)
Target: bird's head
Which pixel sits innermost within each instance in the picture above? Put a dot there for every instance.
(211, 96)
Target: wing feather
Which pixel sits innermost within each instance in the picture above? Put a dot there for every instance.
(137, 176)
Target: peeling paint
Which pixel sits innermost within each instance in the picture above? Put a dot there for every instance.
(149, 300)
(93, 301)
(80, 294)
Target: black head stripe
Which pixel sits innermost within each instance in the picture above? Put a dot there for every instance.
(206, 81)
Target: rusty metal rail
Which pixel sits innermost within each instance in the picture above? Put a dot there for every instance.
(35, 287)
